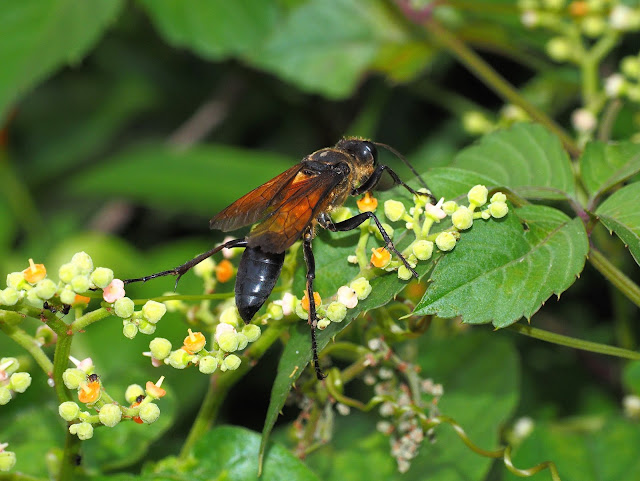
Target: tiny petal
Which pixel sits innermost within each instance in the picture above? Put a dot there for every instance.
(114, 291)
(348, 297)
(435, 211)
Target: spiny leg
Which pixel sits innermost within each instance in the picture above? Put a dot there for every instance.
(184, 268)
(313, 317)
(372, 181)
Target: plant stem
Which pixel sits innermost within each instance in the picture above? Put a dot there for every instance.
(573, 342)
(614, 275)
(28, 343)
(496, 82)
(89, 318)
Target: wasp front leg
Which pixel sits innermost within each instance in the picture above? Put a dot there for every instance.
(313, 316)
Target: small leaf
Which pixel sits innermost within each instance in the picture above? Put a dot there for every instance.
(504, 270)
(40, 36)
(620, 214)
(604, 165)
(527, 158)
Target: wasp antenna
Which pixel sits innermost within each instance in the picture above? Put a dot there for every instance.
(403, 159)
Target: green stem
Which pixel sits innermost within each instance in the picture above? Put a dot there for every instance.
(573, 342)
(89, 318)
(496, 82)
(222, 382)
(60, 363)
(27, 342)
(68, 463)
(614, 275)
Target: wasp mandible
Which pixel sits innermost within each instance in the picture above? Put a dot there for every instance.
(289, 207)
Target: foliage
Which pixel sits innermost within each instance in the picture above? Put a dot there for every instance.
(127, 125)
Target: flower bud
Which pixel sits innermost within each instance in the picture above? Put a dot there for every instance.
(7, 460)
(205, 268)
(160, 348)
(45, 289)
(423, 249)
(230, 316)
(347, 296)
(84, 431)
(404, 273)
(449, 207)
(362, 287)
(228, 341)
(9, 296)
(323, 324)
(498, 209)
(300, 311)
(498, 197)
(67, 272)
(446, 241)
(80, 283)
(208, 364)
(149, 413)
(593, 26)
(388, 230)
(336, 312)
(110, 415)
(242, 341)
(130, 330)
(132, 393)
(462, 218)
(478, 195)
(16, 280)
(20, 381)
(476, 122)
(83, 262)
(73, 377)
(394, 210)
(123, 307)
(252, 332)
(179, 359)
(33, 299)
(9, 365)
(153, 311)
(583, 120)
(231, 362)
(68, 410)
(67, 296)
(559, 49)
(102, 277)
(5, 395)
(275, 311)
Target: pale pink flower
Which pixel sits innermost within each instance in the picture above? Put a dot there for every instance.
(348, 297)
(114, 291)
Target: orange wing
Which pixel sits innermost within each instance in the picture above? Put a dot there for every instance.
(255, 205)
(303, 199)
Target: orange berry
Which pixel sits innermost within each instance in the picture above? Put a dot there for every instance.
(194, 342)
(578, 8)
(368, 203)
(89, 392)
(224, 271)
(35, 272)
(380, 257)
(305, 301)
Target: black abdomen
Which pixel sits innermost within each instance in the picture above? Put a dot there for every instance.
(258, 273)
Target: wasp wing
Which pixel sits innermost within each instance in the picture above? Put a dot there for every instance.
(255, 205)
(305, 197)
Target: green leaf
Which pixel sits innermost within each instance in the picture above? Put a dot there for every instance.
(480, 393)
(604, 165)
(631, 377)
(604, 450)
(202, 179)
(526, 158)
(215, 29)
(40, 36)
(504, 270)
(619, 213)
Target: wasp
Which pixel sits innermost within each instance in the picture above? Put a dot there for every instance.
(290, 207)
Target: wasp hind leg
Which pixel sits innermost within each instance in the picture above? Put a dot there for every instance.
(184, 268)
(313, 316)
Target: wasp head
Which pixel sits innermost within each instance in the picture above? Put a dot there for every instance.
(363, 152)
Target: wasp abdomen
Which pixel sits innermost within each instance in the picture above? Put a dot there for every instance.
(258, 273)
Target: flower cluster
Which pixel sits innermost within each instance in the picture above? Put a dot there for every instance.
(143, 321)
(626, 82)
(12, 381)
(92, 394)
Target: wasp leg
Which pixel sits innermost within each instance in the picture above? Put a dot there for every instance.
(355, 221)
(184, 268)
(313, 317)
(372, 181)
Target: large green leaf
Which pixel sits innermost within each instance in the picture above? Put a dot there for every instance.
(480, 376)
(506, 270)
(39, 36)
(620, 214)
(604, 165)
(527, 158)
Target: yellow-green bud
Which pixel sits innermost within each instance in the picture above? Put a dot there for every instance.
(20, 381)
(300, 312)
(228, 341)
(630, 66)
(153, 311)
(593, 26)
(252, 332)
(230, 316)
(449, 207)
(129, 330)
(362, 287)
(67, 272)
(205, 268)
(559, 49)
(446, 241)
(404, 273)
(33, 299)
(179, 359)
(485, 214)
(554, 4)
(160, 348)
(110, 415)
(336, 311)
(208, 364)
(462, 218)
(84, 431)
(68, 410)
(323, 323)
(80, 283)
(498, 209)
(275, 312)
(5, 395)
(9, 365)
(123, 307)
(242, 341)
(149, 413)
(102, 277)
(46, 288)
(132, 393)
(231, 362)
(67, 296)
(83, 262)
(423, 249)
(478, 195)
(387, 228)
(340, 214)
(394, 210)
(73, 377)
(7, 460)
(9, 296)
(476, 122)
(16, 280)
(498, 197)
(145, 327)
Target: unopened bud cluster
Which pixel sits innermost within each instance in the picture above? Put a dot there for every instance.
(11, 381)
(143, 321)
(625, 82)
